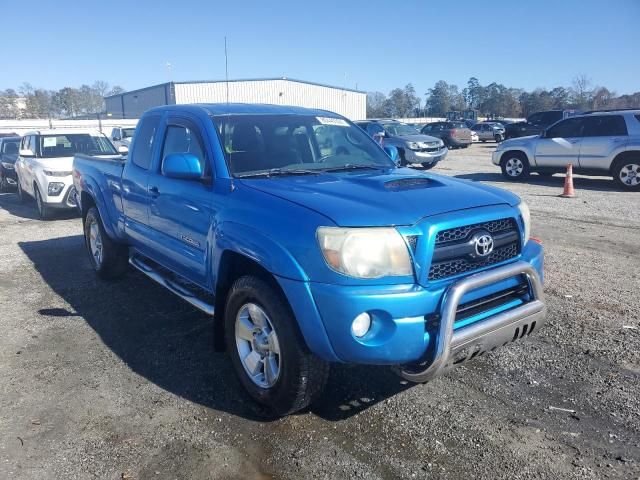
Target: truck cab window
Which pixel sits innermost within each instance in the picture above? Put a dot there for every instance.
(181, 139)
(143, 146)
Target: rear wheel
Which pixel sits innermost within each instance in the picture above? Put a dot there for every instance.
(626, 172)
(267, 349)
(109, 259)
(515, 166)
(43, 211)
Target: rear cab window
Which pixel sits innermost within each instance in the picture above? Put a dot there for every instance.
(143, 145)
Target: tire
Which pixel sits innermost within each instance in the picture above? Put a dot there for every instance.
(429, 166)
(515, 166)
(21, 196)
(4, 186)
(626, 173)
(109, 259)
(43, 211)
(403, 160)
(498, 138)
(300, 377)
(483, 141)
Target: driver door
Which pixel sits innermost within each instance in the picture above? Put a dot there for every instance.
(560, 144)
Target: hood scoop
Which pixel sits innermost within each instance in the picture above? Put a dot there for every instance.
(409, 183)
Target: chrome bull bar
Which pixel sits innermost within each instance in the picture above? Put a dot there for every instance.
(483, 335)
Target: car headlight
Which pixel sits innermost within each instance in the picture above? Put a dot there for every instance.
(55, 173)
(365, 252)
(526, 220)
(8, 166)
(55, 188)
(413, 146)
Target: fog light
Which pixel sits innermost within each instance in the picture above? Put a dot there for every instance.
(361, 324)
(55, 188)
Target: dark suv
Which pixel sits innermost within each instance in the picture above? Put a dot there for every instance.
(534, 125)
(9, 148)
(453, 134)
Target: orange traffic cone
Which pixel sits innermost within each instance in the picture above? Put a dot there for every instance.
(568, 183)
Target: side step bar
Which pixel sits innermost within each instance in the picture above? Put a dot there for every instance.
(158, 277)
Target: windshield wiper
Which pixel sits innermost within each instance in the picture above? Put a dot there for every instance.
(279, 172)
(354, 166)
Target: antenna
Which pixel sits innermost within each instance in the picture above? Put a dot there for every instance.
(226, 68)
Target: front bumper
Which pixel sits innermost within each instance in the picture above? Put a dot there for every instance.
(9, 175)
(415, 156)
(495, 156)
(401, 332)
(65, 200)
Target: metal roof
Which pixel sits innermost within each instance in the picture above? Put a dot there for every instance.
(237, 80)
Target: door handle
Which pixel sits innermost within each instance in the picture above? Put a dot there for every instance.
(154, 191)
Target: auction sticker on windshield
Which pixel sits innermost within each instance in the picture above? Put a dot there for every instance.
(49, 142)
(332, 121)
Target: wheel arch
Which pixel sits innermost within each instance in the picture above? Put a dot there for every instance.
(627, 154)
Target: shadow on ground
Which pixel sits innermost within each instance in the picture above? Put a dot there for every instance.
(9, 202)
(171, 344)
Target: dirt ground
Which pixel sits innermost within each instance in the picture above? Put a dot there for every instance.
(120, 380)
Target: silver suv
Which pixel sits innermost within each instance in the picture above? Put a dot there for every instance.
(413, 146)
(597, 143)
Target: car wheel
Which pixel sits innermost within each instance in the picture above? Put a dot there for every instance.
(21, 196)
(483, 141)
(626, 172)
(43, 210)
(108, 258)
(498, 138)
(515, 166)
(429, 166)
(4, 186)
(267, 349)
(403, 160)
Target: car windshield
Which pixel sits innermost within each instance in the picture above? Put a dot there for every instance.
(295, 144)
(399, 129)
(68, 144)
(128, 132)
(10, 146)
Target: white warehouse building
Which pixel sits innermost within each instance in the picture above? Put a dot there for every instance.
(278, 91)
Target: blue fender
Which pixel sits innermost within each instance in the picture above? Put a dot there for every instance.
(293, 280)
(109, 216)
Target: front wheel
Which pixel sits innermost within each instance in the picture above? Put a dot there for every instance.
(429, 166)
(626, 173)
(515, 166)
(109, 259)
(267, 349)
(21, 196)
(43, 210)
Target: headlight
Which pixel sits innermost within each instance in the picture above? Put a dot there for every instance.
(53, 173)
(55, 188)
(8, 166)
(365, 252)
(413, 145)
(526, 220)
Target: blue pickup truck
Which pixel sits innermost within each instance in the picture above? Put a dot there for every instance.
(308, 251)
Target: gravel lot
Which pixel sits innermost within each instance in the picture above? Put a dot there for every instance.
(120, 380)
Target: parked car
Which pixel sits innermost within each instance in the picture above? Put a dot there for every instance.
(605, 143)
(534, 124)
(453, 134)
(44, 165)
(309, 258)
(9, 147)
(121, 136)
(413, 147)
(489, 131)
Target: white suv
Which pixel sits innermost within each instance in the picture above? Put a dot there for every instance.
(598, 143)
(45, 161)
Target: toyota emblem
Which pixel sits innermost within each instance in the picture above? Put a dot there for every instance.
(483, 243)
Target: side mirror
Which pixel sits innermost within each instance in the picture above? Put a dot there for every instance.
(123, 150)
(393, 153)
(185, 166)
(26, 152)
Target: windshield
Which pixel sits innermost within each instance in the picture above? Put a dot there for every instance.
(400, 129)
(68, 144)
(260, 143)
(128, 132)
(10, 146)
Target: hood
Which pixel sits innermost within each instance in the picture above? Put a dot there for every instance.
(400, 196)
(64, 164)
(514, 142)
(418, 137)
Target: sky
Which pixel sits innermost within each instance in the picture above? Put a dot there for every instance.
(369, 45)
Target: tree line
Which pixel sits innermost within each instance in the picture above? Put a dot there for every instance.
(495, 100)
(68, 102)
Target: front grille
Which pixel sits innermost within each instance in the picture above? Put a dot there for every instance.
(454, 248)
